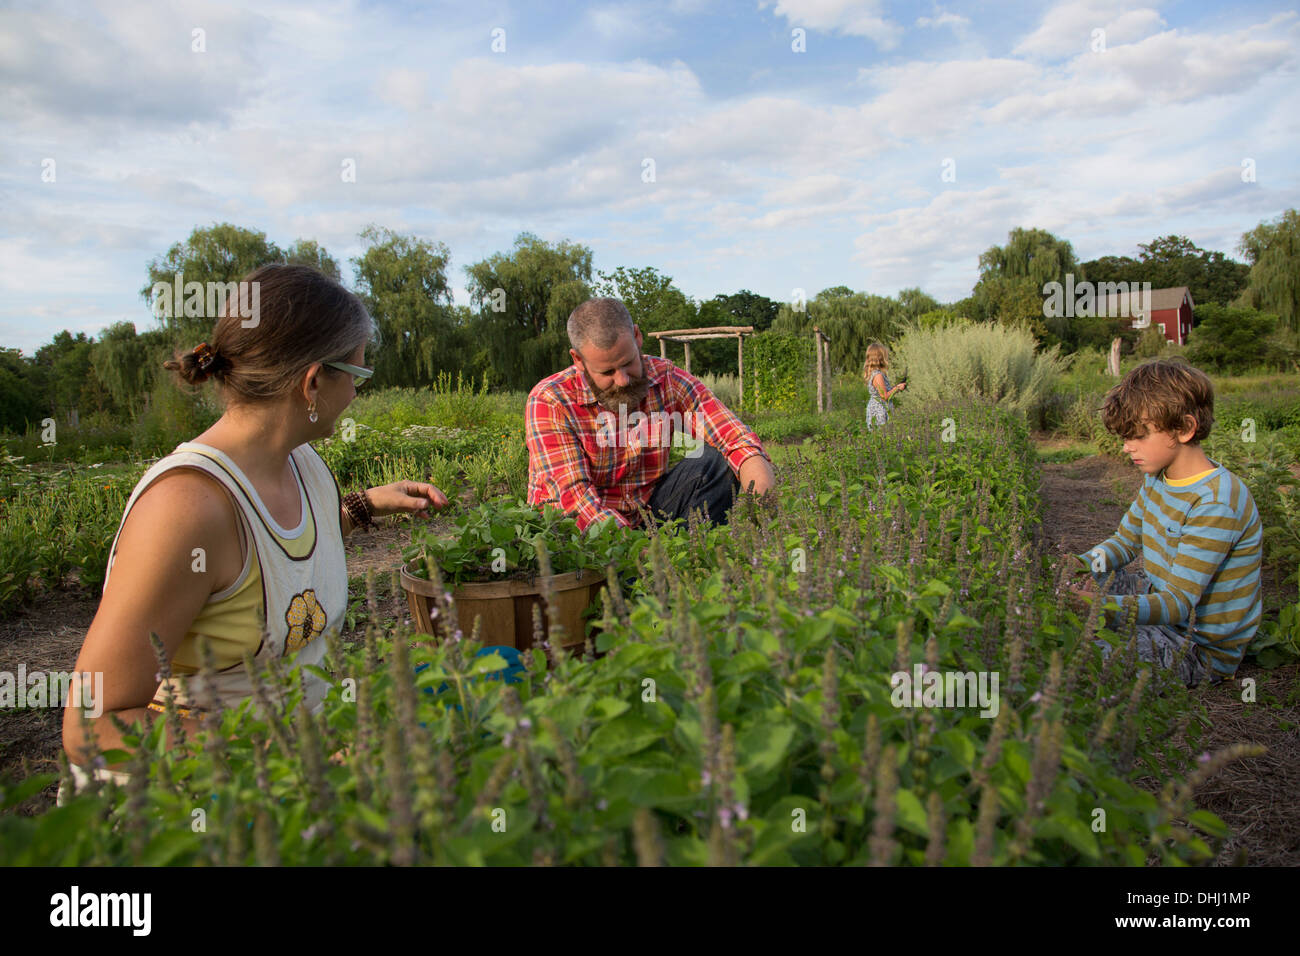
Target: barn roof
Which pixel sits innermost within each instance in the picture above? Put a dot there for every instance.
(1161, 299)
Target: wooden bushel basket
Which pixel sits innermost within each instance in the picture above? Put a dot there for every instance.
(506, 607)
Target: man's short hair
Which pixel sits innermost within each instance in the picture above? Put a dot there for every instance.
(1163, 391)
(598, 322)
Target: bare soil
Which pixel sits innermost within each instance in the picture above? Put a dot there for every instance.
(1083, 502)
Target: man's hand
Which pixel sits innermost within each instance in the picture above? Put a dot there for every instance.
(756, 475)
(412, 497)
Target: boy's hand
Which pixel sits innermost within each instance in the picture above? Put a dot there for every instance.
(1079, 595)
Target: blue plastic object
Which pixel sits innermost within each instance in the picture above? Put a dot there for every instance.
(513, 673)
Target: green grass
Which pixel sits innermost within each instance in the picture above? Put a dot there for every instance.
(1072, 452)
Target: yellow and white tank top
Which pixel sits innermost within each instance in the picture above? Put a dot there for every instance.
(294, 579)
(293, 586)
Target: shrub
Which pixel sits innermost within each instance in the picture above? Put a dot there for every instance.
(991, 361)
(726, 388)
(1228, 340)
(1151, 343)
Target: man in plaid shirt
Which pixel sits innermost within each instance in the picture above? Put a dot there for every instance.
(599, 433)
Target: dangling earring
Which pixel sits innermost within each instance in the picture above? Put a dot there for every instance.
(311, 412)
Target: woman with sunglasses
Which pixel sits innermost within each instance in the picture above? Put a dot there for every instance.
(238, 534)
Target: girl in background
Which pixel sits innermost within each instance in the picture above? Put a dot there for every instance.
(875, 374)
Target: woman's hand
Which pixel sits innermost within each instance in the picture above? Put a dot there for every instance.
(411, 497)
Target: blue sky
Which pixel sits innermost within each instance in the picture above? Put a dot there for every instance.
(775, 170)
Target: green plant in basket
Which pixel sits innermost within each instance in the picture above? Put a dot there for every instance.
(497, 540)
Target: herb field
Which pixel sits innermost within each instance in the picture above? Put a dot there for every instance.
(738, 705)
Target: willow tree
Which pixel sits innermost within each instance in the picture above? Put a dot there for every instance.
(128, 365)
(221, 253)
(403, 282)
(524, 298)
(1032, 254)
(853, 320)
(1273, 251)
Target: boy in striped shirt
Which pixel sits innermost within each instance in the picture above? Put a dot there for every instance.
(1195, 523)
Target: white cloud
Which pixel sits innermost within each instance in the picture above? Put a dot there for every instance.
(135, 63)
(630, 22)
(1067, 29)
(928, 100)
(862, 18)
(944, 19)
(912, 245)
(406, 88)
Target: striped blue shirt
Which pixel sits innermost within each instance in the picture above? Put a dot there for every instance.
(1201, 546)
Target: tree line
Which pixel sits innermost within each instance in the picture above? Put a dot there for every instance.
(512, 333)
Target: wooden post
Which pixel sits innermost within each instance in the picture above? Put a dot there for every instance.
(740, 366)
(663, 349)
(817, 344)
(1114, 358)
(688, 357)
(829, 376)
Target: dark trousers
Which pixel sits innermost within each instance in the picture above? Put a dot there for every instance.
(706, 483)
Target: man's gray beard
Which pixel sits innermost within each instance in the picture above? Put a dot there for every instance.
(632, 396)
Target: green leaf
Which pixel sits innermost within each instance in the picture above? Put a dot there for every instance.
(1073, 831)
(608, 708)
(1209, 823)
(935, 588)
(960, 744)
(168, 845)
(911, 814)
(625, 735)
(12, 796)
(762, 747)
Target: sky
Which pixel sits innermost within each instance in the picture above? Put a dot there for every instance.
(770, 145)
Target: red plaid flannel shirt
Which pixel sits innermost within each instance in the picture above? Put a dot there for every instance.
(594, 476)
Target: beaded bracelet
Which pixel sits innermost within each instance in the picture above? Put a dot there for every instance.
(357, 507)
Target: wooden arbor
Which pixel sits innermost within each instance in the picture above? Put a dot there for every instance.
(821, 342)
(687, 336)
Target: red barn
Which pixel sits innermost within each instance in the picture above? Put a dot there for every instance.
(1171, 309)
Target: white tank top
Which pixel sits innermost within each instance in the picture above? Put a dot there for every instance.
(304, 570)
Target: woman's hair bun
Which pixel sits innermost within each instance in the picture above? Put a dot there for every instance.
(189, 366)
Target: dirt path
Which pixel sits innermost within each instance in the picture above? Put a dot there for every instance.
(1083, 502)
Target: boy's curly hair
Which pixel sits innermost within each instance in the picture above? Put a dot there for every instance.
(1164, 392)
